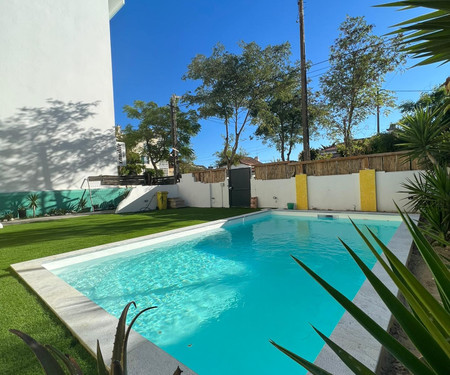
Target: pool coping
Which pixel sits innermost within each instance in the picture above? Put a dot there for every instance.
(89, 322)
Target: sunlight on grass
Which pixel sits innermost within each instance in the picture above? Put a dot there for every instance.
(22, 310)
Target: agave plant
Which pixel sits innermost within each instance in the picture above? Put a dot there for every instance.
(50, 357)
(425, 134)
(427, 324)
(430, 195)
(33, 202)
(82, 203)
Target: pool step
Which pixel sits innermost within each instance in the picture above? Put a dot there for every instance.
(176, 203)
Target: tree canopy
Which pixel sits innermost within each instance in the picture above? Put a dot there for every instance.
(231, 85)
(153, 135)
(359, 60)
(279, 118)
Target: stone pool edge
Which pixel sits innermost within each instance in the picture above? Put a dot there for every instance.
(348, 333)
(89, 322)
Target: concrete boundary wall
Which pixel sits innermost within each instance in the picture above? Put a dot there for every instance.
(339, 192)
(198, 194)
(365, 191)
(274, 193)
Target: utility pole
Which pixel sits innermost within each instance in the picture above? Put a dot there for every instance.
(305, 126)
(173, 116)
(378, 111)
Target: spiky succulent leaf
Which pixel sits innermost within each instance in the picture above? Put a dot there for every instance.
(351, 362)
(127, 334)
(432, 345)
(71, 364)
(311, 367)
(48, 362)
(393, 346)
(101, 367)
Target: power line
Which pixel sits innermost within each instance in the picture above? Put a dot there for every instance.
(410, 90)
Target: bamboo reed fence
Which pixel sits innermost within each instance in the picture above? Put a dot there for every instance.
(210, 175)
(388, 162)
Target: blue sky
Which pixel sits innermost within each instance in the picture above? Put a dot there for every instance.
(154, 41)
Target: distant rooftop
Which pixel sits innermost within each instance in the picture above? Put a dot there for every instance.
(247, 160)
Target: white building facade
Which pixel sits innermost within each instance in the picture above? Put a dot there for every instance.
(56, 103)
(56, 97)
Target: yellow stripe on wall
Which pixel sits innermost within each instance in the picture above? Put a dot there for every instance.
(301, 188)
(368, 191)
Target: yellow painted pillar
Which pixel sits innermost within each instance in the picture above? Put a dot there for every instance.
(301, 188)
(368, 190)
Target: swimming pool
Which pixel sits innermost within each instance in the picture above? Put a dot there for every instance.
(223, 293)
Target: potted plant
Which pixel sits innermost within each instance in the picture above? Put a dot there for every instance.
(33, 202)
(22, 211)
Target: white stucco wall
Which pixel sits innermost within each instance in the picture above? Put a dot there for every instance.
(198, 194)
(274, 193)
(144, 198)
(340, 192)
(389, 185)
(56, 97)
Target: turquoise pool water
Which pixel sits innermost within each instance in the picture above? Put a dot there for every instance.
(223, 294)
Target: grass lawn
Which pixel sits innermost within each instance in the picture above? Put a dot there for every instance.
(21, 309)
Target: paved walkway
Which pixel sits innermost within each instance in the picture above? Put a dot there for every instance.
(57, 217)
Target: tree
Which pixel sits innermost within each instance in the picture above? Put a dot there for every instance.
(134, 164)
(279, 118)
(359, 60)
(427, 36)
(224, 159)
(233, 84)
(432, 100)
(154, 131)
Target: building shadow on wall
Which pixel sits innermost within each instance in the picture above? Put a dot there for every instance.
(43, 148)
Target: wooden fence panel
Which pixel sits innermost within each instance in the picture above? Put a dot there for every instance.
(261, 172)
(210, 176)
(290, 170)
(376, 163)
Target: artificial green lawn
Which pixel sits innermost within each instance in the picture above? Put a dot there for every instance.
(21, 309)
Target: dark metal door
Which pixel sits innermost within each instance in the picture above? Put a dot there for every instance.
(239, 187)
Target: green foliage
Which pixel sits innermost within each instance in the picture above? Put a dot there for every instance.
(430, 195)
(232, 85)
(383, 142)
(189, 167)
(434, 100)
(279, 117)
(426, 322)
(315, 155)
(426, 37)
(380, 143)
(426, 136)
(359, 61)
(7, 216)
(153, 136)
(223, 160)
(33, 202)
(134, 164)
(82, 203)
(150, 173)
